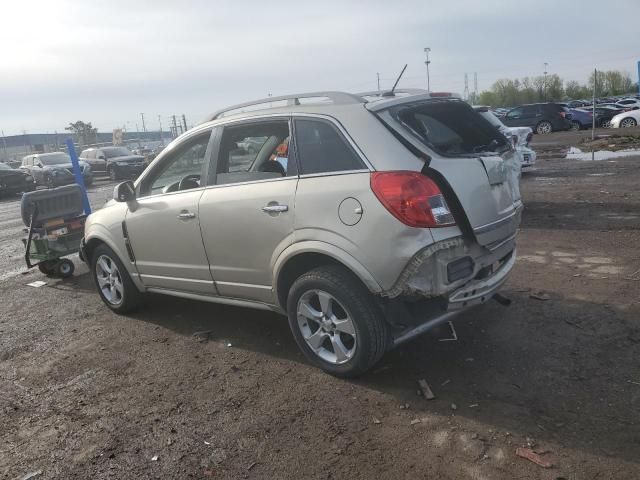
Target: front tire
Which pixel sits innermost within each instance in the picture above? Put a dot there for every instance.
(544, 128)
(628, 122)
(113, 282)
(336, 322)
(113, 174)
(575, 125)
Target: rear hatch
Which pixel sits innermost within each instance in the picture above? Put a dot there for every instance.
(473, 157)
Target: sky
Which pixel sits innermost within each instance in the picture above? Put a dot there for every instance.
(108, 61)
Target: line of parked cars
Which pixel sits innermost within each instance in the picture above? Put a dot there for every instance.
(549, 117)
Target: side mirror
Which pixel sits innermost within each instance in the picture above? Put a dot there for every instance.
(124, 192)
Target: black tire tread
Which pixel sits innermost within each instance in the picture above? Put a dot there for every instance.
(349, 286)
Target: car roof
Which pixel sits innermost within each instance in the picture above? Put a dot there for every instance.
(326, 102)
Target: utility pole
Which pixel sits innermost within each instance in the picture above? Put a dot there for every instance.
(184, 122)
(465, 95)
(475, 86)
(4, 145)
(593, 112)
(138, 135)
(546, 65)
(378, 75)
(160, 122)
(144, 128)
(427, 50)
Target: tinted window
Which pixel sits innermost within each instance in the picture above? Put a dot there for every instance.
(255, 151)
(530, 110)
(451, 128)
(516, 112)
(180, 170)
(321, 148)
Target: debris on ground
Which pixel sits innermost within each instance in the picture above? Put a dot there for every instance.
(454, 406)
(376, 421)
(154, 458)
(540, 296)
(31, 475)
(203, 336)
(37, 284)
(415, 421)
(253, 464)
(454, 335)
(426, 389)
(532, 456)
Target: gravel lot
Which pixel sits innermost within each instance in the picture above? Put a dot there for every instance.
(88, 394)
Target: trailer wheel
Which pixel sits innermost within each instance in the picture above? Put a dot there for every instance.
(65, 268)
(47, 267)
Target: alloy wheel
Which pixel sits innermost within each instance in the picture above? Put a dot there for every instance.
(326, 326)
(627, 123)
(544, 128)
(109, 280)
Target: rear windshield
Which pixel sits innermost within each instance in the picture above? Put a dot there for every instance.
(451, 128)
(55, 159)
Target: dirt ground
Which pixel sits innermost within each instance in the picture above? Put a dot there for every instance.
(85, 393)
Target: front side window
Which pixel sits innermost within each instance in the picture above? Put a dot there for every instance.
(322, 149)
(114, 152)
(255, 151)
(182, 169)
(515, 113)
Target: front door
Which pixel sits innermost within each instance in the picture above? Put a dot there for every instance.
(164, 225)
(247, 216)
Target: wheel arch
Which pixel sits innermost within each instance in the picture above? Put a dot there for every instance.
(99, 235)
(304, 256)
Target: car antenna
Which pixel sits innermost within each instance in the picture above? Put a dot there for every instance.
(390, 93)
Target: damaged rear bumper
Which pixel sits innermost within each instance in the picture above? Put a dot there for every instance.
(423, 304)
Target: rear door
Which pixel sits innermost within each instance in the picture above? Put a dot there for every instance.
(247, 215)
(472, 156)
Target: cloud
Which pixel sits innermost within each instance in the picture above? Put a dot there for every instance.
(107, 61)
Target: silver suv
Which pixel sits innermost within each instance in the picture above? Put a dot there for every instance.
(366, 219)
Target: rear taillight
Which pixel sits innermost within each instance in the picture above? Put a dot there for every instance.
(563, 114)
(412, 198)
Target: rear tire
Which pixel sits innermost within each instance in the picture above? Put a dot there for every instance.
(575, 125)
(336, 322)
(115, 287)
(628, 122)
(544, 128)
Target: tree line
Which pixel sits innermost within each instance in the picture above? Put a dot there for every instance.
(507, 92)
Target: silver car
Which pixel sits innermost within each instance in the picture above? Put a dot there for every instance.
(366, 219)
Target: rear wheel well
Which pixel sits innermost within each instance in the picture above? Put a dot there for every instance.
(298, 265)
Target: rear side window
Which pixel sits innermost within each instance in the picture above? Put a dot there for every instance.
(321, 148)
(451, 128)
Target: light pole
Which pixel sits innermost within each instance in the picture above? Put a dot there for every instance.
(544, 96)
(427, 50)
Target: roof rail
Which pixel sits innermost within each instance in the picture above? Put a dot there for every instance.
(338, 98)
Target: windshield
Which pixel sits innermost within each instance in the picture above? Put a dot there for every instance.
(451, 128)
(4, 166)
(112, 152)
(54, 159)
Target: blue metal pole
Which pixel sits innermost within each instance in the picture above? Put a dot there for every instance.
(78, 174)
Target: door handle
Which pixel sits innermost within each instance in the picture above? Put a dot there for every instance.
(275, 208)
(186, 215)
